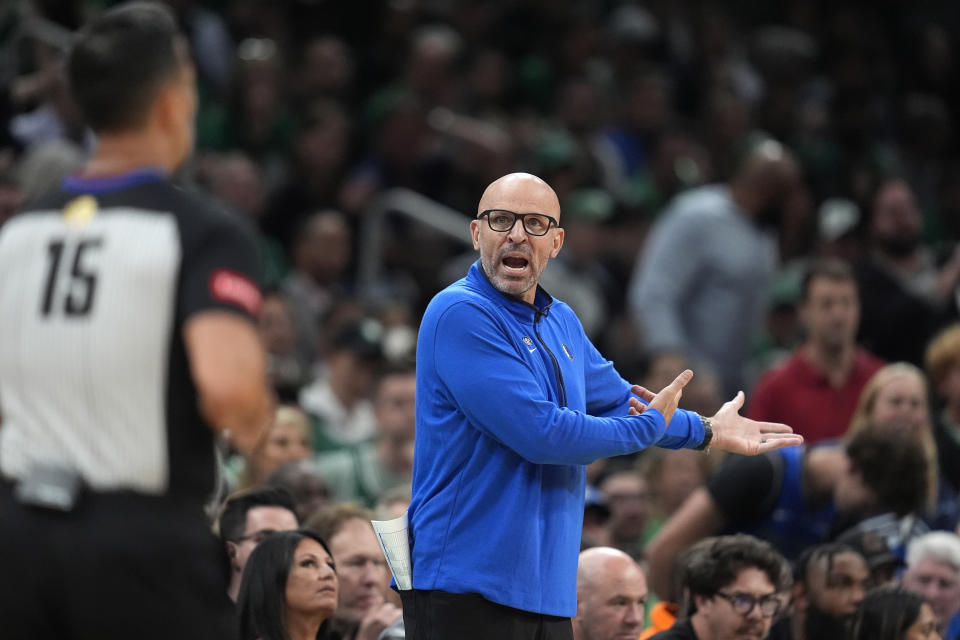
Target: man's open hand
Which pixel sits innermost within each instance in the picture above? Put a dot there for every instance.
(731, 431)
(738, 434)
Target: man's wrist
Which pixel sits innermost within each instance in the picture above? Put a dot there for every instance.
(707, 434)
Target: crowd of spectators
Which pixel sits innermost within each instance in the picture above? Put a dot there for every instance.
(768, 193)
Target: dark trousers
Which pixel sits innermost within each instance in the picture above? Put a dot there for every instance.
(439, 615)
(118, 567)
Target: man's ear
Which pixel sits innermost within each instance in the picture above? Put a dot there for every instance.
(232, 552)
(475, 234)
(165, 107)
(699, 600)
(557, 242)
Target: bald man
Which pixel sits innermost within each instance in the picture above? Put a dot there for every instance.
(512, 402)
(611, 596)
(699, 288)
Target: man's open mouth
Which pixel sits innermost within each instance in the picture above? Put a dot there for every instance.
(515, 262)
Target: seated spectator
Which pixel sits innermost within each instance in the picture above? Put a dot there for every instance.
(247, 519)
(671, 475)
(287, 367)
(289, 590)
(816, 390)
(904, 294)
(321, 253)
(611, 595)
(303, 481)
(317, 156)
(830, 581)
(679, 603)
(236, 181)
(339, 402)
(594, 532)
(367, 606)
(737, 587)
(792, 496)
(884, 566)
(891, 613)
(896, 397)
(288, 439)
(625, 495)
(392, 503)
(933, 571)
(365, 471)
(943, 367)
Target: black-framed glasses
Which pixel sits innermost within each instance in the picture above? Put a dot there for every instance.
(743, 603)
(502, 220)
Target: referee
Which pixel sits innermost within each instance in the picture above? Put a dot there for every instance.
(126, 343)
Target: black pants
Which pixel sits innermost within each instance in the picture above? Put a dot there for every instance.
(439, 615)
(119, 566)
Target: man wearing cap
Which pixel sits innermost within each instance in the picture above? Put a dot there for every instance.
(513, 401)
(816, 390)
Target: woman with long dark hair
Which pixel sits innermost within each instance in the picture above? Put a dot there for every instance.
(894, 613)
(289, 588)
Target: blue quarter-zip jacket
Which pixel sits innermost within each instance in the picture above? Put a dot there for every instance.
(513, 401)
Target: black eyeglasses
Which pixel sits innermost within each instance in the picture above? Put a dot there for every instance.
(743, 603)
(536, 224)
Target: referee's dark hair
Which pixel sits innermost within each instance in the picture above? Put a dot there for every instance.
(719, 562)
(120, 61)
(233, 516)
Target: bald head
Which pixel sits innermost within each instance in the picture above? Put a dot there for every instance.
(598, 563)
(611, 595)
(768, 177)
(522, 193)
(513, 258)
(769, 166)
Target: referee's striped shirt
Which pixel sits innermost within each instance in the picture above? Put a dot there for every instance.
(96, 282)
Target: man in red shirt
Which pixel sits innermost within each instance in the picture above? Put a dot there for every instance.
(816, 389)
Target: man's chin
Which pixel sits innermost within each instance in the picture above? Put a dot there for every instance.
(512, 286)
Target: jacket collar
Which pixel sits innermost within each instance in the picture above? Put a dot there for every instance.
(521, 309)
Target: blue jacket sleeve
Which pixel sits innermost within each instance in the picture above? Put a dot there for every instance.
(608, 394)
(499, 394)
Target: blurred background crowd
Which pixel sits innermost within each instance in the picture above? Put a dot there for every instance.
(766, 192)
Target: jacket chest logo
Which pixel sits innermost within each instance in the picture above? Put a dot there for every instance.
(527, 341)
(566, 351)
